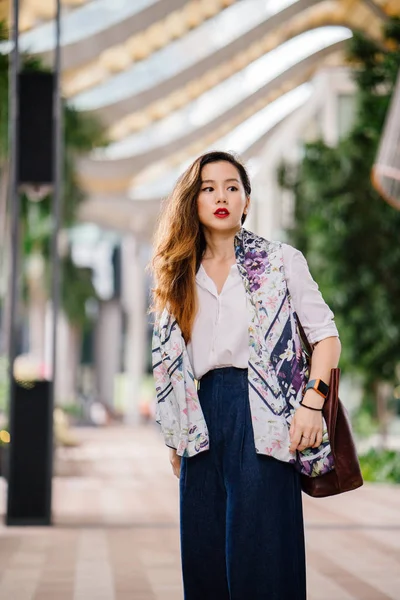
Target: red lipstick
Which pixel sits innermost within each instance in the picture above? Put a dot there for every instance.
(222, 213)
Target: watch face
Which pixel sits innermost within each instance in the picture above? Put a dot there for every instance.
(319, 386)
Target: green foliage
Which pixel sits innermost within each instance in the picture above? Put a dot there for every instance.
(381, 466)
(82, 290)
(363, 423)
(73, 410)
(83, 132)
(349, 234)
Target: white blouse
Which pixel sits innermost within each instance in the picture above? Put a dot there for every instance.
(220, 332)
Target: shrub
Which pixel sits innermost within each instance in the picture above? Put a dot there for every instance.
(381, 466)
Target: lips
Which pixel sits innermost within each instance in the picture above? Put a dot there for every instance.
(222, 212)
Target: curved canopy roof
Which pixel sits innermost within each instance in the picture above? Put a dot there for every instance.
(171, 79)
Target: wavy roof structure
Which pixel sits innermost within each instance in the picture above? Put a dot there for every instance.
(170, 79)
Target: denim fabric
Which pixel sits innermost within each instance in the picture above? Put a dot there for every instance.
(241, 512)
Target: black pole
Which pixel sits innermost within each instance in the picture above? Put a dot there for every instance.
(31, 405)
(15, 209)
(56, 215)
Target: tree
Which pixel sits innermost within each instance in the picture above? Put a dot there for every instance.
(348, 233)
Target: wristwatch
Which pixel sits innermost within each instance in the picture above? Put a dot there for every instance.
(319, 386)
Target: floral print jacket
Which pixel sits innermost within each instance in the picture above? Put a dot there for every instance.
(278, 368)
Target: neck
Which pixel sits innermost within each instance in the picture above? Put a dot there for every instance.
(219, 244)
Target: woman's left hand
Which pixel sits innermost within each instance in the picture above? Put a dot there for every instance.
(306, 427)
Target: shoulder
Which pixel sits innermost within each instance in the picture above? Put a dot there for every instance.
(287, 254)
(255, 241)
(291, 253)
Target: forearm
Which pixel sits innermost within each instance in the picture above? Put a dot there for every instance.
(325, 357)
(175, 461)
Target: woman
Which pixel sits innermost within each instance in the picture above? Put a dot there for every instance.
(230, 377)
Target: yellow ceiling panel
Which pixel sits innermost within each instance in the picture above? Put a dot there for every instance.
(158, 35)
(205, 141)
(141, 45)
(211, 8)
(158, 110)
(175, 25)
(192, 14)
(358, 16)
(27, 19)
(176, 99)
(391, 7)
(104, 186)
(4, 10)
(361, 16)
(114, 59)
(93, 186)
(138, 47)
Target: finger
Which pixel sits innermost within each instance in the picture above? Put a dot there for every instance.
(318, 439)
(311, 441)
(305, 438)
(295, 440)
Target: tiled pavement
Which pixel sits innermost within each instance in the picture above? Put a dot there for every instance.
(116, 531)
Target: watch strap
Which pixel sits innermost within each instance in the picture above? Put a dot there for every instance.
(310, 407)
(319, 386)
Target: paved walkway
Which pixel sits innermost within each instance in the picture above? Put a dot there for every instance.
(116, 531)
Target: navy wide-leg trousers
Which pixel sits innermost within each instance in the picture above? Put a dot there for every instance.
(242, 532)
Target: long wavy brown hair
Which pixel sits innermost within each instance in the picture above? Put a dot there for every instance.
(179, 243)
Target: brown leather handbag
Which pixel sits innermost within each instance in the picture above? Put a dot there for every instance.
(346, 475)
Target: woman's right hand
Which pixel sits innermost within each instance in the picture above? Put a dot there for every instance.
(175, 461)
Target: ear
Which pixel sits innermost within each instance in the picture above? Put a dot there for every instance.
(247, 206)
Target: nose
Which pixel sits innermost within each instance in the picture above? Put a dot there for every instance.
(221, 197)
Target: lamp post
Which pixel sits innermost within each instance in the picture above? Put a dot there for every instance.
(56, 211)
(32, 464)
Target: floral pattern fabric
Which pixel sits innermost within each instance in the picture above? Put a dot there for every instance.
(277, 368)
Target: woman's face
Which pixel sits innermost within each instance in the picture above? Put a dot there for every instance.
(222, 199)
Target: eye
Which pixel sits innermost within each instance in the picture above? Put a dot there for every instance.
(233, 188)
(207, 188)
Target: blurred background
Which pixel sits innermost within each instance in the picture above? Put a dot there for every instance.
(308, 93)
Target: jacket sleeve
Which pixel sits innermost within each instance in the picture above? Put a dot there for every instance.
(314, 314)
(166, 405)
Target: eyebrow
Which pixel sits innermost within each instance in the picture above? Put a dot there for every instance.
(226, 180)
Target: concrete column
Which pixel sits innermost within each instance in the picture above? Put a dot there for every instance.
(135, 306)
(68, 360)
(108, 349)
(68, 356)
